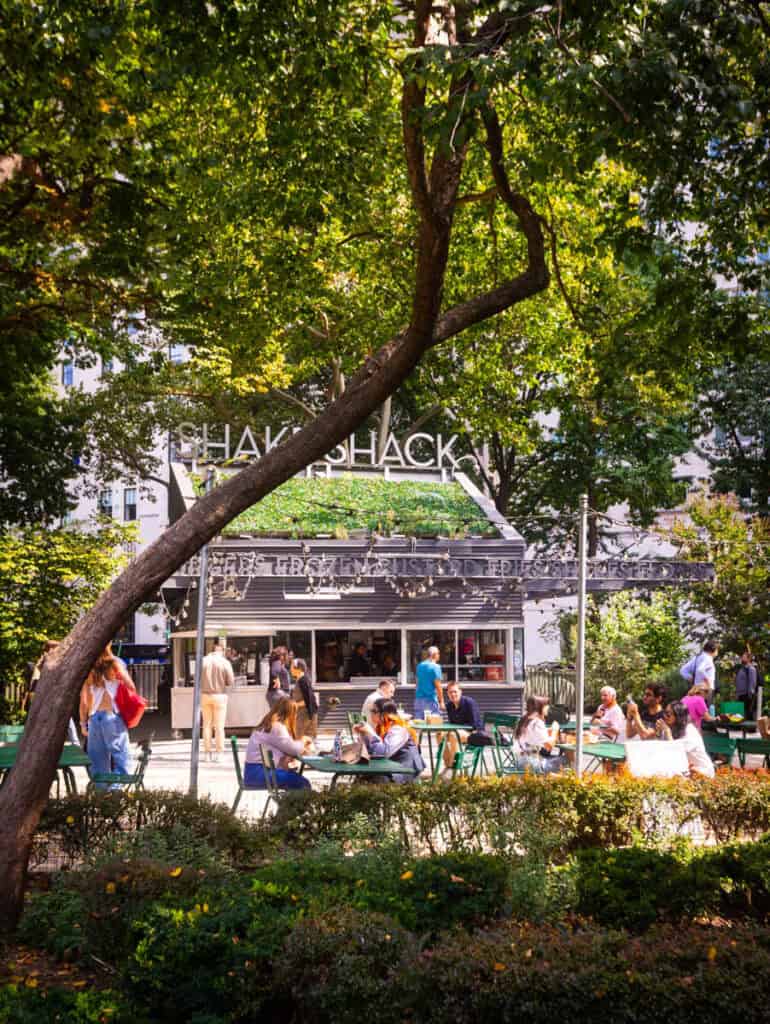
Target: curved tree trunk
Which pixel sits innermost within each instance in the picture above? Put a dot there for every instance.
(434, 193)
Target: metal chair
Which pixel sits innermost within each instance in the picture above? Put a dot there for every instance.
(271, 781)
(135, 779)
(503, 728)
(557, 713)
(11, 733)
(753, 746)
(719, 746)
(354, 718)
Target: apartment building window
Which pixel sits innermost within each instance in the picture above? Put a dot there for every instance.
(129, 504)
(107, 365)
(68, 373)
(126, 634)
(105, 503)
(177, 353)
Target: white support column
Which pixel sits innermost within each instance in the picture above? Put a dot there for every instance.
(581, 633)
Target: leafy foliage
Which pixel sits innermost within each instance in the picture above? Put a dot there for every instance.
(48, 579)
(308, 507)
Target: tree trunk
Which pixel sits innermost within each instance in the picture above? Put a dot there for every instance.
(434, 194)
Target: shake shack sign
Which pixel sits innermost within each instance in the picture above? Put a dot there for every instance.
(222, 443)
(249, 564)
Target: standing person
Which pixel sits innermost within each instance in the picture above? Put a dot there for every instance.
(304, 696)
(746, 683)
(216, 677)
(608, 718)
(99, 719)
(279, 686)
(428, 695)
(386, 734)
(536, 740)
(701, 668)
(276, 733)
(359, 661)
(642, 723)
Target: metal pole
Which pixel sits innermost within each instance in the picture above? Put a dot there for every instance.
(200, 645)
(581, 633)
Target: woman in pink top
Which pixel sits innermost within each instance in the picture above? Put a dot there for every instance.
(697, 707)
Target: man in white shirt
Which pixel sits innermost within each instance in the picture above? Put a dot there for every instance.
(385, 690)
(700, 670)
(216, 677)
(609, 718)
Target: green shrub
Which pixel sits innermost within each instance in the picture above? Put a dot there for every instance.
(521, 972)
(83, 826)
(345, 966)
(20, 1004)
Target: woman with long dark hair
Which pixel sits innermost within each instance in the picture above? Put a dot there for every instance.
(279, 685)
(676, 725)
(536, 741)
(277, 732)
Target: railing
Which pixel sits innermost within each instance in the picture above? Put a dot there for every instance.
(551, 681)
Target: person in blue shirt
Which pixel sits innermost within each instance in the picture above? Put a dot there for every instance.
(428, 695)
(460, 711)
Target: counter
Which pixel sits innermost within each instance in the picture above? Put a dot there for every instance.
(246, 705)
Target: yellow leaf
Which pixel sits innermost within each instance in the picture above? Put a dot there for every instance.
(712, 953)
(104, 106)
(31, 982)
(498, 967)
(70, 820)
(407, 875)
(175, 872)
(81, 983)
(110, 888)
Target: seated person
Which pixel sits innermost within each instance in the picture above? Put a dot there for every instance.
(276, 733)
(460, 711)
(387, 735)
(641, 723)
(696, 705)
(385, 691)
(536, 741)
(676, 725)
(609, 718)
(359, 664)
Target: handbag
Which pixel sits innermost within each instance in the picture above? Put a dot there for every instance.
(355, 752)
(130, 705)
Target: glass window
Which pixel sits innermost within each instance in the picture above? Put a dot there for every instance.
(357, 654)
(68, 373)
(518, 654)
(244, 653)
(298, 642)
(177, 353)
(481, 655)
(125, 635)
(129, 504)
(418, 642)
(105, 503)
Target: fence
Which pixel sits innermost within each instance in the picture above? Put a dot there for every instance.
(551, 681)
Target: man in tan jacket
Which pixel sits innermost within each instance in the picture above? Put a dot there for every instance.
(216, 676)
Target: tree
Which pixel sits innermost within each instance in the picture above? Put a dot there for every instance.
(609, 69)
(48, 578)
(736, 607)
(738, 450)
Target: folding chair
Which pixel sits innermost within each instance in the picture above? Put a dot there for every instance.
(135, 779)
(718, 745)
(761, 747)
(503, 750)
(271, 781)
(354, 718)
(557, 713)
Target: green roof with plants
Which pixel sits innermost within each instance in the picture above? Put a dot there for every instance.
(340, 506)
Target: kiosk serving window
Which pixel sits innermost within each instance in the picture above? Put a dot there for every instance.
(469, 655)
(357, 653)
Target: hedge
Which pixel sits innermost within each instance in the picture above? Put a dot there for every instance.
(560, 814)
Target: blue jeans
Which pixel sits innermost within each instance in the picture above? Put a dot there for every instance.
(254, 776)
(421, 704)
(108, 744)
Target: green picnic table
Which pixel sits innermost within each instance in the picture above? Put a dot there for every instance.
(615, 753)
(72, 756)
(429, 728)
(753, 746)
(377, 766)
(726, 727)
